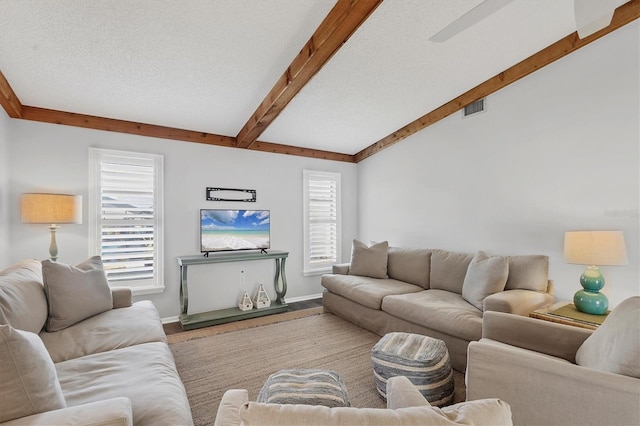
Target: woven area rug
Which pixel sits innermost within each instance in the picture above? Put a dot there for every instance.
(242, 356)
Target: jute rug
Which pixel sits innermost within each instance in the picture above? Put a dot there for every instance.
(242, 356)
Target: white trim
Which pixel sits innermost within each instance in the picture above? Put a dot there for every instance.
(303, 298)
(325, 267)
(169, 320)
(96, 156)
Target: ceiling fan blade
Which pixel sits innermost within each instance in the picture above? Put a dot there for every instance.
(594, 15)
(472, 17)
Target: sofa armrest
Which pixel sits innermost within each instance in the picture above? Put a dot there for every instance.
(109, 412)
(545, 337)
(401, 393)
(341, 269)
(122, 297)
(229, 408)
(544, 390)
(519, 302)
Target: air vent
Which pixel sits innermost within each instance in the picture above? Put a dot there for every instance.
(473, 108)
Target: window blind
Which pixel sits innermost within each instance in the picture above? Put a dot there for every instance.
(127, 221)
(321, 220)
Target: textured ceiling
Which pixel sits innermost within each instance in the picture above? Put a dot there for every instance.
(206, 65)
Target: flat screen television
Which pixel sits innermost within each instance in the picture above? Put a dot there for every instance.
(227, 230)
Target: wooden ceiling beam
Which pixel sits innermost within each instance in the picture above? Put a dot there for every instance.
(122, 126)
(625, 14)
(341, 22)
(8, 99)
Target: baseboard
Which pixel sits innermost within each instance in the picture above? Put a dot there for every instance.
(303, 298)
(169, 320)
(176, 318)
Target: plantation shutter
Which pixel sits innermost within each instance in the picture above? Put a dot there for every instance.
(127, 233)
(322, 221)
(128, 229)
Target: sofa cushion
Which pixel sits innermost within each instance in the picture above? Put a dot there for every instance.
(23, 304)
(439, 310)
(369, 261)
(113, 329)
(448, 270)
(364, 290)
(409, 265)
(530, 272)
(145, 373)
(29, 381)
(615, 345)
(75, 293)
(481, 412)
(485, 276)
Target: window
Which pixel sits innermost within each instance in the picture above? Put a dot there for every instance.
(321, 221)
(126, 217)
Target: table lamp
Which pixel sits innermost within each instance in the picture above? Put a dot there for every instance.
(593, 248)
(52, 209)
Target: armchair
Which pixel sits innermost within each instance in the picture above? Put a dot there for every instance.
(531, 365)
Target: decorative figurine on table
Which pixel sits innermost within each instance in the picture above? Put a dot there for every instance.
(261, 299)
(245, 302)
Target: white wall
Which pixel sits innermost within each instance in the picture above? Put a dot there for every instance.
(4, 189)
(555, 151)
(46, 157)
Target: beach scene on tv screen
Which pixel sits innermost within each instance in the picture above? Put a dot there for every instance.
(234, 229)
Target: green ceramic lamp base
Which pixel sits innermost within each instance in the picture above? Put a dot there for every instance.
(590, 300)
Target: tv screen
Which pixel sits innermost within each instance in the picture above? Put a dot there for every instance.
(224, 230)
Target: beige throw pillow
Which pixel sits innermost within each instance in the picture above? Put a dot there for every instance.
(23, 304)
(27, 374)
(485, 276)
(75, 293)
(615, 345)
(369, 261)
(528, 272)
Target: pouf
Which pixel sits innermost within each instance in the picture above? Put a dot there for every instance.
(422, 359)
(305, 386)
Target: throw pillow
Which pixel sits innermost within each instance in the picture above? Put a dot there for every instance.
(23, 304)
(615, 345)
(485, 276)
(29, 380)
(75, 293)
(369, 261)
(529, 272)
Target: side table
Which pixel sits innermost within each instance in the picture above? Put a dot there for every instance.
(566, 313)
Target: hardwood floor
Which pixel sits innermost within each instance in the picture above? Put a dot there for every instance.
(174, 327)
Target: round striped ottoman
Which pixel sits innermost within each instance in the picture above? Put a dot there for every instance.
(422, 359)
(305, 386)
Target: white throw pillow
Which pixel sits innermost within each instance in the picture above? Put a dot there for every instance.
(485, 276)
(615, 345)
(75, 293)
(369, 261)
(29, 383)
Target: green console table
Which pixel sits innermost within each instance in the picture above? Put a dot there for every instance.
(221, 316)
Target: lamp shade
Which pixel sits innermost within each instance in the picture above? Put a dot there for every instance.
(51, 208)
(595, 248)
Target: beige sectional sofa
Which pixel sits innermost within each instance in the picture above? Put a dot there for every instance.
(434, 292)
(556, 374)
(405, 406)
(76, 352)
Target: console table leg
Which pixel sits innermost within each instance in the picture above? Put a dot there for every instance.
(280, 292)
(184, 292)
